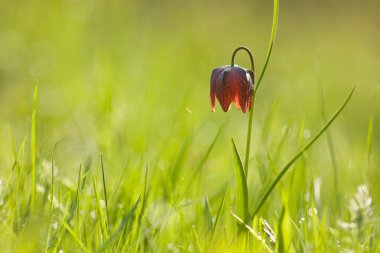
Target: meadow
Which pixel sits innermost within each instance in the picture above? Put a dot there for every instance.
(108, 142)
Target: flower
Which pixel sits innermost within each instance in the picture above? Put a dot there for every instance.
(232, 84)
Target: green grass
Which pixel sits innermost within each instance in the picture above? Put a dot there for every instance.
(118, 150)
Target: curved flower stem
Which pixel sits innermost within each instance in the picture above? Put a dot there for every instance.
(249, 53)
(248, 146)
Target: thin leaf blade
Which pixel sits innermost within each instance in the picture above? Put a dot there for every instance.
(300, 153)
(241, 186)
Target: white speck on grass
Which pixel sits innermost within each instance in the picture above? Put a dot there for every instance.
(360, 206)
(60, 251)
(346, 225)
(306, 134)
(55, 225)
(56, 204)
(306, 197)
(40, 188)
(188, 110)
(89, 191)
(312, 211)
(172, 248)
(67, 182)
(93, 214)
(317, 190)
(45, 172)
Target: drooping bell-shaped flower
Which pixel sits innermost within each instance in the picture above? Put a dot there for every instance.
(232, 84)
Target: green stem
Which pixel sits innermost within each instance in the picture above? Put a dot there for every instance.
(248, 146)
(270, 47)
(271, 42)
(249, 133)
(33, 144)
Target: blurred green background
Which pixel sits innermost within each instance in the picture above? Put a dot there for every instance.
(130, 79)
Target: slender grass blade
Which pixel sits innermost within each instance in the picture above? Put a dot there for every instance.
(241, 186)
